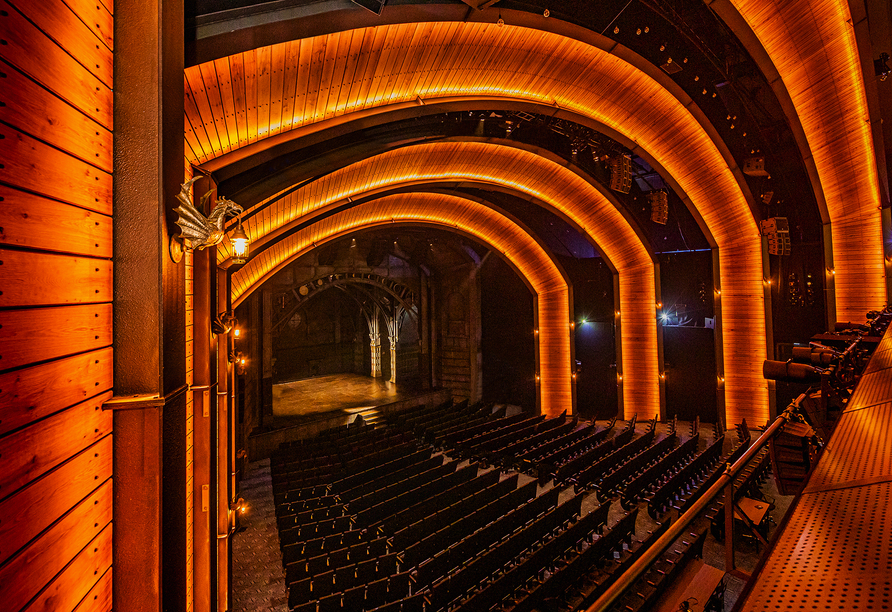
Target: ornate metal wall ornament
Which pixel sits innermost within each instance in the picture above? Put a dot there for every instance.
(197, 231)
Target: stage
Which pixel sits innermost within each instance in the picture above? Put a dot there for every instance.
(303, 408)
(336, 392)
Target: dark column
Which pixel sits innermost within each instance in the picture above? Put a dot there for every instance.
(150, 386)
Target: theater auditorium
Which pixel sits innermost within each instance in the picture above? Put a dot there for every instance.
(445, 305)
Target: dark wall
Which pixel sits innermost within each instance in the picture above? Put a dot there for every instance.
(688, 345)
(691, 382)
(596, 395)
(509, 358)
(323, 340)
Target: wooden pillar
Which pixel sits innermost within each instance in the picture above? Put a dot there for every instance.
(150, 531)
(204, 391)
(223, 493)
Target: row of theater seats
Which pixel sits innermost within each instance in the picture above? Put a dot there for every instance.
(398, 527)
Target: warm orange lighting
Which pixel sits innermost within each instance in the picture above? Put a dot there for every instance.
(812, 45)
(463, 215)
(620, 96)
(236, 332)
(508, 167)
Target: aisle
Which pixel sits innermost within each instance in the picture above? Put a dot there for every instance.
(257, 580)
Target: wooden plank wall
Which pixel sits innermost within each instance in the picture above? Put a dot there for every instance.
(190, 425)
(55, 305)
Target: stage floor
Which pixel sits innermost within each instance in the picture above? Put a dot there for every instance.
(335, 392)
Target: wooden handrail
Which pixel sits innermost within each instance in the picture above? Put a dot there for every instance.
(615, 590)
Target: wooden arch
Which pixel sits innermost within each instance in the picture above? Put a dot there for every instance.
(465, 216)
(235, 101)
(809, 52)
(565, 192)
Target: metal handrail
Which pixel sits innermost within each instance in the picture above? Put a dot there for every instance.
(615, 590)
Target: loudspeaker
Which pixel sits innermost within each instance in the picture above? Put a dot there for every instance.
(621, 173)
(777, 229)
(659, 207)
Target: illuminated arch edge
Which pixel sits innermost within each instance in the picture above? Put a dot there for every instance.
(461, 215)
(559, 188)
(589, 81)
(811, 45)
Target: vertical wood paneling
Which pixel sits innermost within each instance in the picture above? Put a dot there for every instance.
(812, 45)
(476, 59)
(190, 428)
(550, 183)
(55, 325)
(475, 219)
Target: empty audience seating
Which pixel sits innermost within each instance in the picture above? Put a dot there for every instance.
(371, 518)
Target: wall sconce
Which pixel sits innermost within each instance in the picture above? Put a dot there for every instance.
(197, 231)
(831, 271)
(236, 333)
(239, 241)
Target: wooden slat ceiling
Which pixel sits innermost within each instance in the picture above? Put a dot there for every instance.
(240, 99)
(472, 218)
(812, 45)
(566, 192)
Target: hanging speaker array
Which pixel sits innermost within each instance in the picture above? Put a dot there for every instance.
(778, 232)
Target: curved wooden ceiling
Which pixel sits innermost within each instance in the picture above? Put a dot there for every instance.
(239, 99)
(812, 45)
(558, 187)
(457, 214)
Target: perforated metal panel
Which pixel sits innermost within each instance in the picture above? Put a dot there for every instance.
(833, 555)
(859, 450)
(874, 388)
